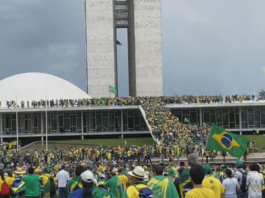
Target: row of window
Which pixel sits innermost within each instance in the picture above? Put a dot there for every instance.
(65, 122)
(225, 117)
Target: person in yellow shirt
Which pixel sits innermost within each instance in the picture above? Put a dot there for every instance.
(212, 183)
(10, 178)
(123, 178)
(137, 183)
(197, 174)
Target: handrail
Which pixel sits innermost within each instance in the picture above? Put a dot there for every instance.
(148, 125)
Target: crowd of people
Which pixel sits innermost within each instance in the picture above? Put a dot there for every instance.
(185, 99)
(123, 171)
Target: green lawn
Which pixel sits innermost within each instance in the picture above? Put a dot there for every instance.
(108, 142)
(260, 140)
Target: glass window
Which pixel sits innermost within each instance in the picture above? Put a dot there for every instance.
(219, 116)
(137, 118)
(92, 124)
(130, 113)
(130, 124)
(257, 124)
(206, 116)
(118, 113)
(118, 124)
(124, 119)
(67, 124)
(67, 115)
(257, 114)
(105, 113)
(250, 110)
(212, 111)
(244, 116)
(14, 128)
(53, 124)
(244, 125)
(193, 117)
(111, 119)
(212, 119)
(225, 111)
(78, 123)
(225, 120)
(232, 116)
(237, 119)
(92, 114)
(263, 110)
(263, 120)
(251, 119)
(98, 118)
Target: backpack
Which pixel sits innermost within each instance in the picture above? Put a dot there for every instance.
(5, 190)
(243, 186)
(146, 193)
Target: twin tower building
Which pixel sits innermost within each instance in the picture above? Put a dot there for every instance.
(142, 18)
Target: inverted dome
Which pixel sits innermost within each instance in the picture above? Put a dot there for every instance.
(35, 86)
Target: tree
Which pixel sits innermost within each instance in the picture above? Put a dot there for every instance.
(262, 94)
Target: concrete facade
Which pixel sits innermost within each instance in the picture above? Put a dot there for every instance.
(146, 57)
(100, 47)
(143, 20)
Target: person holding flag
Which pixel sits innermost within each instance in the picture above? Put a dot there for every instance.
(221, 140)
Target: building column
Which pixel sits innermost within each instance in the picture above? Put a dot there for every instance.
(240, 121)
(82, 125)
(122, 124)
(200, 116)
(1, 126)
(41, 127)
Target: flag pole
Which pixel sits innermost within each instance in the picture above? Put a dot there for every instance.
(46, 115)
(17, 122)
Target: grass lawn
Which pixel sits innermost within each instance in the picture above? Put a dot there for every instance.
(260, 140)
(108, 142)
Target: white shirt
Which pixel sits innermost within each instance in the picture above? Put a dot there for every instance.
(62, 177)
(238, 176)
(230, 185)
(254, 182)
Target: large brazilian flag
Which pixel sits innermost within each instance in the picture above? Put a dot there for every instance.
(221, 140)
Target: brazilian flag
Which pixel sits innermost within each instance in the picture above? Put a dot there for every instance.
(101, 102)
(18, 189)
(221, 140)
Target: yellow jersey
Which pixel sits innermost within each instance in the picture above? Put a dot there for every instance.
(9, 180)
(200, 193)
(213, 184)
(124, 180)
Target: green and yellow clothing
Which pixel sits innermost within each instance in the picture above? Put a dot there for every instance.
(101, 193)
(124, 180)
(163, 187)
(9, 180)
(185, 182)
(200, 193)
(32, 187)
(213, 184)
(133, 190)
(73, 183)
(115, 187)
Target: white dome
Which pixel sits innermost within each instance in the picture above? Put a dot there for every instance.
(35, 86)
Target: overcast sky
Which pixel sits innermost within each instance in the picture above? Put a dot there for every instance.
(209, 47)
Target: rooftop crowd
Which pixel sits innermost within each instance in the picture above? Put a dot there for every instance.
(124, 171)
(185, 99)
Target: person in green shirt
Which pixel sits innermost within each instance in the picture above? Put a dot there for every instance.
(115, 185)
(161, 185)
(32, 184)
